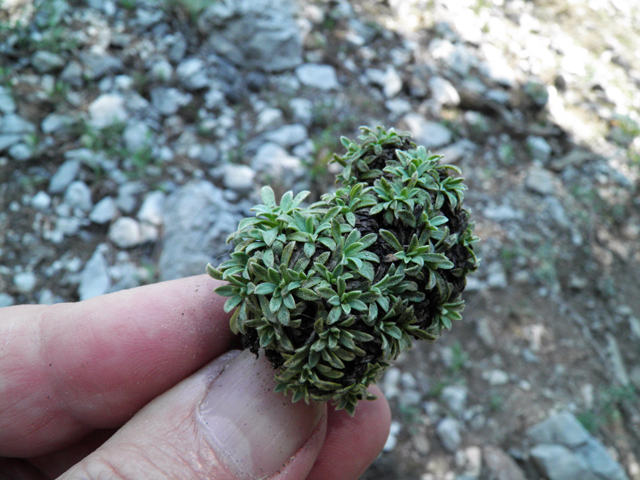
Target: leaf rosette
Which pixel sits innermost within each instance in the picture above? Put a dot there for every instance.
(334, 291)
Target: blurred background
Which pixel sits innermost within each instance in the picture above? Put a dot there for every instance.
(134, 135)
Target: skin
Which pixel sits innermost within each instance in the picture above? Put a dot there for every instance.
(115, 368)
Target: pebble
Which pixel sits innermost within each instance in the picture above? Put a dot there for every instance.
(169, 100)
(7, 103)
(94, 279)
(288, 136)
(66, 173)
(389, 80)
(557, 462)
(425, 132)
(104, 211)
(21, 152)
(192, 74)
(443, 92)
(322, 77)
(455, 398)
(496, 377)
(151, 209)
(538, 148)
(269, 118)
(275, 161)
(302, 110)
(238, 178)
(125, 232)
(57, 123)
(448, 431)
(41, 201)
(392, 439)
(78, 195)
(25, 282)
(136, 136)
(6, 300)
(540, 181)
(44, 61)
(107, 109)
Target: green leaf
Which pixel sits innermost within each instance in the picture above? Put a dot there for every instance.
(309, 249)
(269, 236)
(265, 288)
(334, 315)
(268, 197)
(226, 290)
(217, 274)
(307, 295)
(268, 258)
(286, 253)
(232, 303)
(390, 238)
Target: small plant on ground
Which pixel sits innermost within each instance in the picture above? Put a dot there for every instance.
(333, 292)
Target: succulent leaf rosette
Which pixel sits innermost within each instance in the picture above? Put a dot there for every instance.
(334, 291)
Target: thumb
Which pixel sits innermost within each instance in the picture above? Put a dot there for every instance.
(223, 422)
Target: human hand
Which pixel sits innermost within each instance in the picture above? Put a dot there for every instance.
(144, 384)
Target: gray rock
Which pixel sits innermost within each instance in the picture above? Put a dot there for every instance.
(125, 233)
(78, 195)
(66, 173)
(238, 178)
(72, 74)
(617, 362)
(302, 109)
(538, 148)
(6, 141)
(13, 124)
(496, 67)
(128, 195)
(502, 213)
(496, 377)
(25, 282)
(269, 118)
(107, 109)
(97, 65)
(104, 211)
(254, 34)
(557, 462)
(193, 74)
(562, 428)
(455, 397)
(496, 276)
(136, 136)
(7, 103)
(599, 460)
(274, 161)
(43, 61)
(161, 70)
(455, 57)
(6, 300)
(540, 181)
(168, 100)
(288, 136)
(389, 80)
(443, 92)
(430, 134)
(197, 219)
(21, 152)
(448, 431)
(313, 75)
(151, 209)
(500, 465)
(57, 123)
(41, 201)
(94, 279)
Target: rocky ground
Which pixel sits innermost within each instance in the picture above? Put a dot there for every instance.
(135, 134)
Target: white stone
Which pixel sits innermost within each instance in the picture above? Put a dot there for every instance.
(448, 431)
(6, 300)
(455, 397)
(538, 148)
(125, 232)
(94, 279)
(20, 152)
(288, 136)
(107, 109)
(238, 178)
(389, 80)
(269, 118)
(66, 173)
(41, 201)
(274, 161)
(192, 73)
(151, 208)
(7, 103)
(443, 92)
(25, 282)
(104, 211)
(78, 195)
(496, 377)
(429, 134)
(302, 110)
(136, 136)
(168, 100)
(540, 181)
(318, 76)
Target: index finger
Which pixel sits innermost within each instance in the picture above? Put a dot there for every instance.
(68, 369)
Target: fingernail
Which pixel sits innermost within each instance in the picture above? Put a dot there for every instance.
(253, 429)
